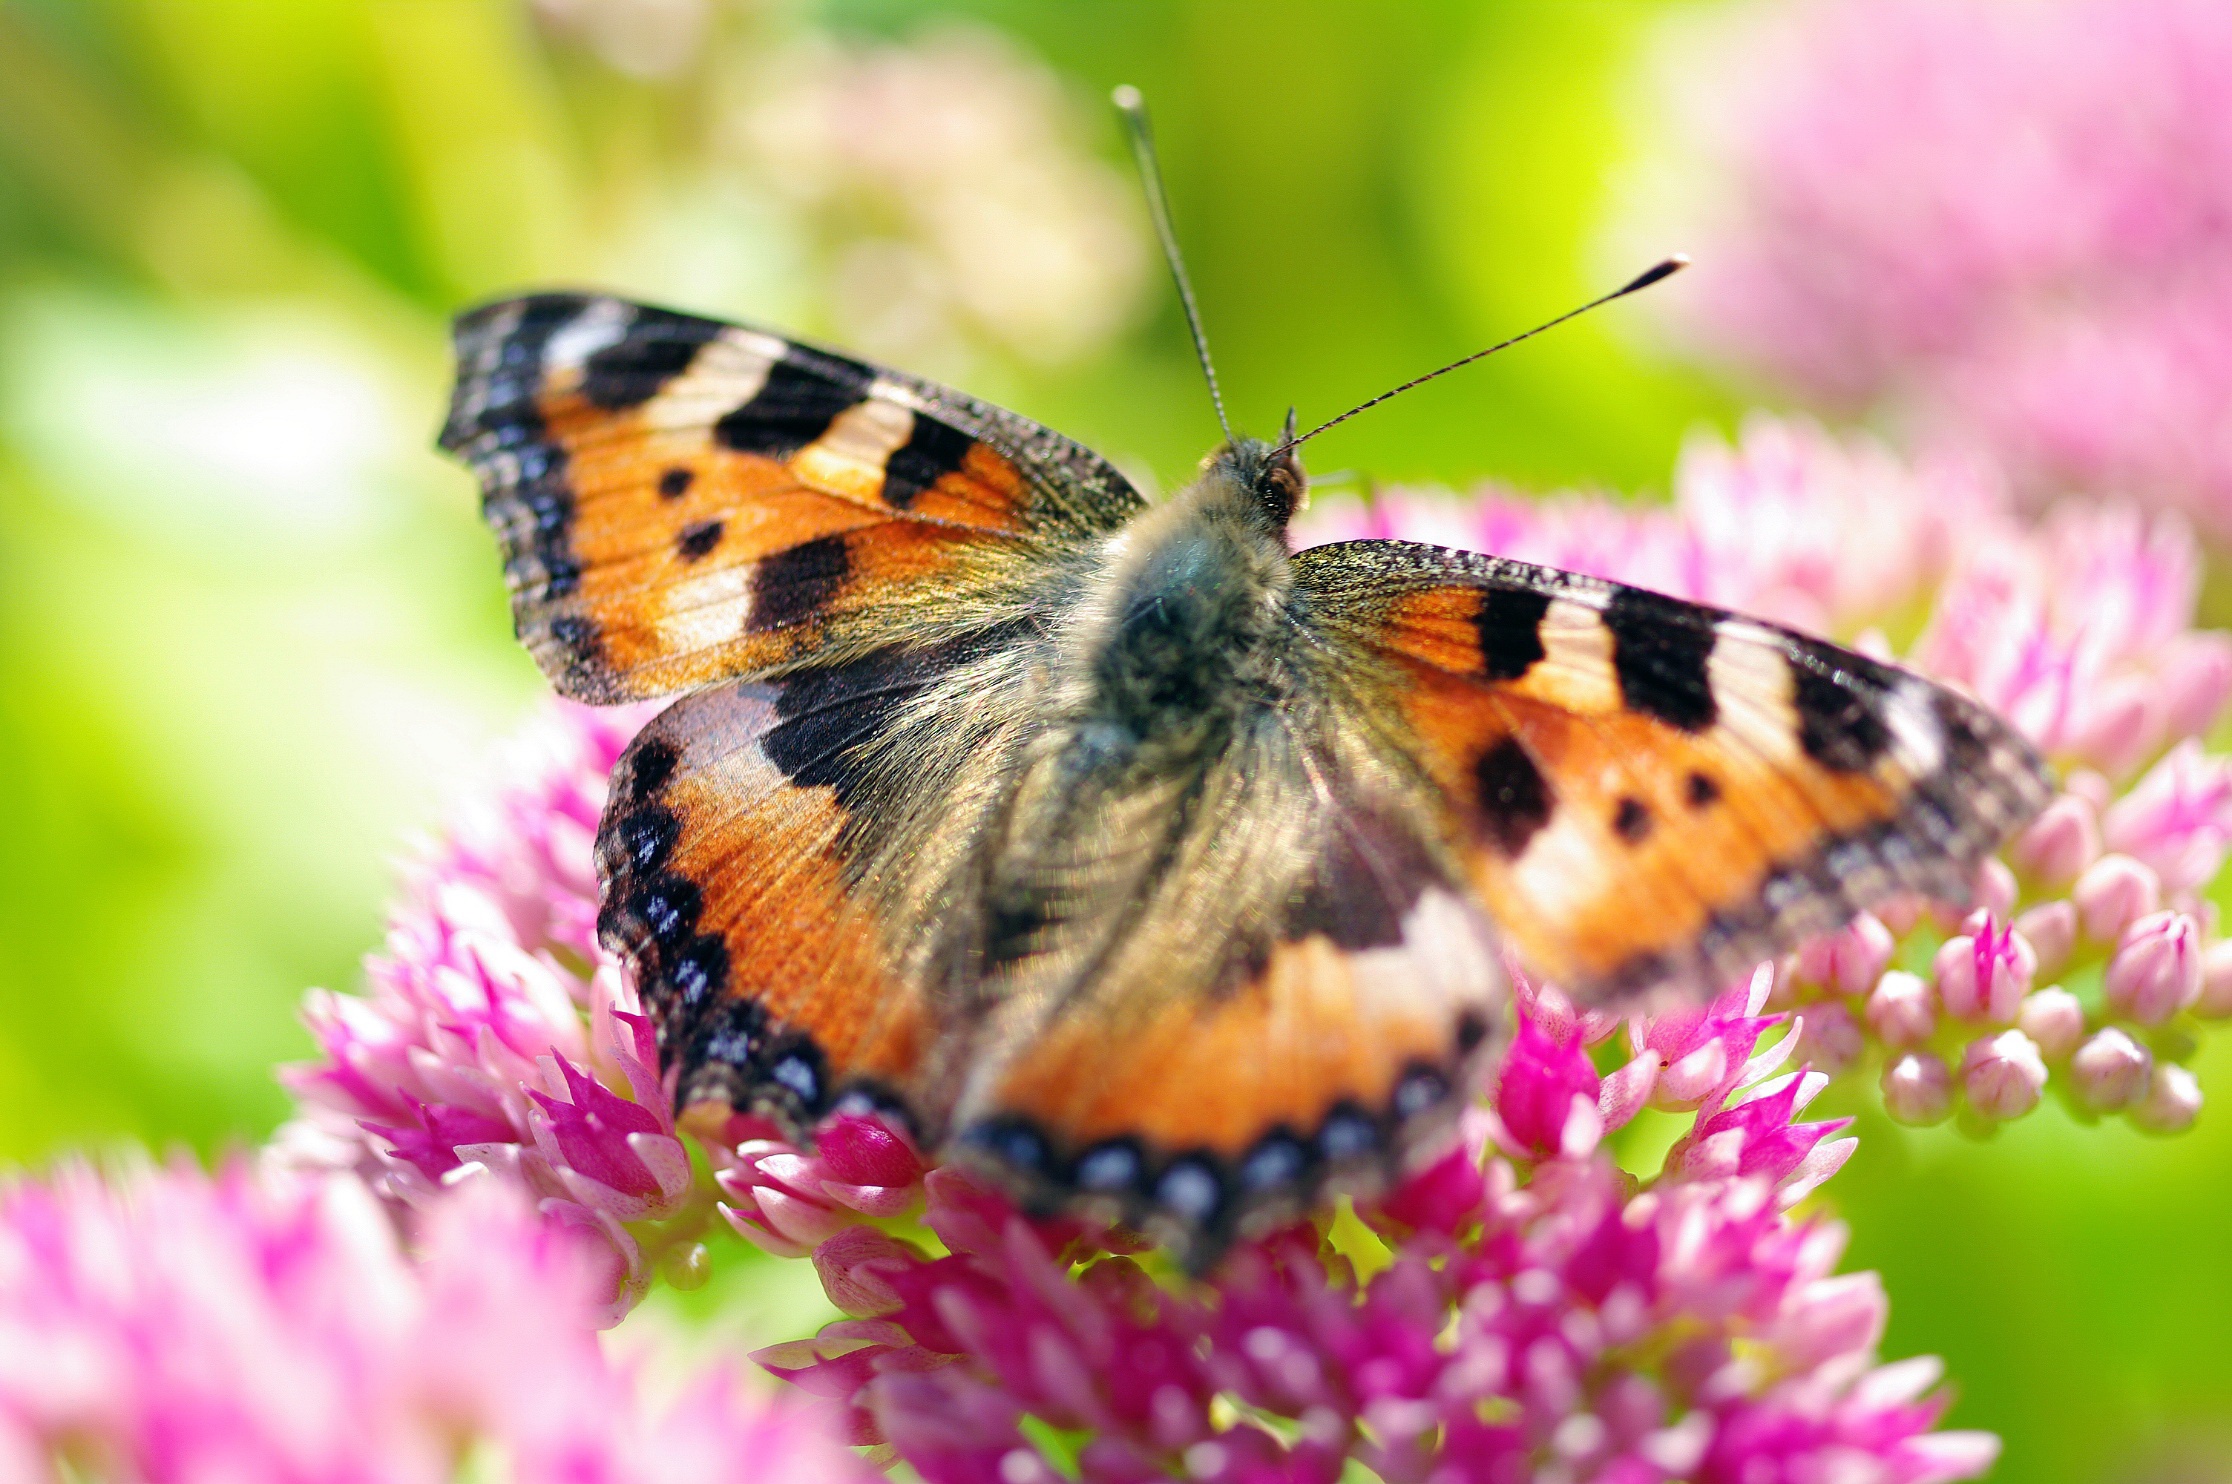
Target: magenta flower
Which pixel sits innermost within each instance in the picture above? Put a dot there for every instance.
(1789, 523)
(2079, 631)
(1545, 1098)
(497, 1035)
(787, 1202)
(2156, 971)
(164, 1325)
(2007, 222)
(1531, 1316)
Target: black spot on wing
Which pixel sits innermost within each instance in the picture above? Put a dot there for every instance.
(1631, 821)
(657, 347)
(1701, 791)
(1192, 1188)
(675, 482)
(697, 540)
(1112, 1167)
(802, 395)
(1510, 624)
(575, 638)
(793, 586)
(644, 837)
(825, 717)
(690, 977)
(932, 451)
(719, 1051)
(1839, 698)
(1277, 1163)
(1659, 649)
(648, 766)
(1515, 799)
(797, 1074)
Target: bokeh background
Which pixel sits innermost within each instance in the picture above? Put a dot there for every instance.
(252, 634)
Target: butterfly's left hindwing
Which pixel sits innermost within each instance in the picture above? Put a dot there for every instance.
(1648, 791)
(772, 852)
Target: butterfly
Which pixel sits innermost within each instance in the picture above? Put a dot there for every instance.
(1120, 849)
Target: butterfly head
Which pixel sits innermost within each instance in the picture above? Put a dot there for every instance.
(1265, 479)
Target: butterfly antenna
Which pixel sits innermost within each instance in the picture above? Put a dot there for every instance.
(1654, 274)
(1134, 109)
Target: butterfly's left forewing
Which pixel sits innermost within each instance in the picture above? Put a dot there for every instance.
(1648, 791)
(682, 501)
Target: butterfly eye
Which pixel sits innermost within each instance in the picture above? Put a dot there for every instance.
(1282, 488)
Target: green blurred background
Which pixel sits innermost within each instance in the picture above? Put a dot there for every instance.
(252, 635)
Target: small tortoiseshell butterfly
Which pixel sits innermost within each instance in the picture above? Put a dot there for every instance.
(1152, 865)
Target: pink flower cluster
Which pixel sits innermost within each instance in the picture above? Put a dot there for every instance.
(495, 1034)
(1789, 524)
(2009, 222)
(1525, 1311)
(166, 1326)
(2093, 957)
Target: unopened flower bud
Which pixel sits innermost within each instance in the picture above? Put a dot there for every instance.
(1850, 959)
(1832, 1039)
(1995, 889)
(1903, 1009)
(2090, 785)
(2195, 677)
(2110, 1070)
(2051, 930)
(2157, 968)
(2115, 892)
(2121, 723)
(1901, 913)
(1918, 1088)
(1986, 976)
(2061, 842)
(2003, 1075)
(2055, 1020)
(2216, 980)
(2172, 1102)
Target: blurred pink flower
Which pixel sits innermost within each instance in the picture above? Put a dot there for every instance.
(1788, 523)
(2010, 221)
(2177, 819)
(164, 1325)
(496, 1033)
(787, 1201)
(1530, 1316)
(2080, 631)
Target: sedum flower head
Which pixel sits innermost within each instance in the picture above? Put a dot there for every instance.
(494, 1034)
(1522, 1311)
(164, 1325)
